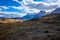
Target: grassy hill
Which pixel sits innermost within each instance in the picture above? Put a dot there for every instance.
(45, 28)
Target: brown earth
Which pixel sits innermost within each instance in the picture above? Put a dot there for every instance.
(45, 28)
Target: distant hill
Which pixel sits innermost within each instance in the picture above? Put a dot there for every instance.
(48, 18)
(51, 19)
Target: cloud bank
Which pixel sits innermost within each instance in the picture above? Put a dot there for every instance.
(11, 14)
(47, 5)
(32, 7)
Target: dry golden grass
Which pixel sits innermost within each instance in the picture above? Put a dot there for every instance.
(10, 20)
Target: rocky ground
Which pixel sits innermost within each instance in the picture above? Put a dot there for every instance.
(46, 28)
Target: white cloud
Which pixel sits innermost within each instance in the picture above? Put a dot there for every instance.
(47, 5)
(32, 11)
(1, 15)
(13, 14)
(17, 1)
(30, 6)
(49, 1)
(26, 2)
(1, 9)
(4, 7)
(19, 7)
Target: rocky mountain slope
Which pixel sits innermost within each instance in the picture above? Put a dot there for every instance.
(36, 15)
(57, 10)
(45, 28)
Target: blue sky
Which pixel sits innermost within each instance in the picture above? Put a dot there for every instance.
(24, 7)
(8, 3)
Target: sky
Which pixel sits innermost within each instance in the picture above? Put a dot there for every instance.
(20, 8)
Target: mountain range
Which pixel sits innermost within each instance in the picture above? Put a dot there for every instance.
(30, 16)
(40, 14)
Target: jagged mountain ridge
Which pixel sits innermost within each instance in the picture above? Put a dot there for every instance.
(38, 15)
